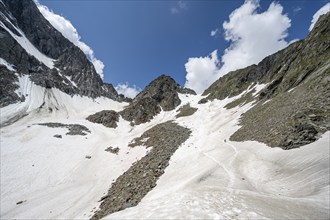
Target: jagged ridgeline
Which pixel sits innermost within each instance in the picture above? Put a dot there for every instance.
(294, 107)
(160, 94)
(35, 48)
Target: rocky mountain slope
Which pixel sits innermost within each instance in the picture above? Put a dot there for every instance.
(293, 108)
(70, 149)
(160, 94)
(33, 47)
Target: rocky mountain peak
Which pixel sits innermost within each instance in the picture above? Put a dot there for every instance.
(35, 48)
(161, 94)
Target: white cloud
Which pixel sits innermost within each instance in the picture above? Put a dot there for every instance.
(126, 90)
(214, 32)
(180, 5)
(297, 9)
(70, 32)
(325, 9)
(252, 37)
(174, 10)
(202, 71)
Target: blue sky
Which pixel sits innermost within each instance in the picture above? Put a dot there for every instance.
(139, 40)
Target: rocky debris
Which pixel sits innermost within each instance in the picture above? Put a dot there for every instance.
(129, 188)
(203, 101)
(113, 150)
(297, 79)
(108, 118)
(185, 111)
(58, 136)
(20, 202)
(74, 129)
(74, 73)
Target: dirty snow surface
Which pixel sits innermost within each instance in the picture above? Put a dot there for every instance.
(209, 177)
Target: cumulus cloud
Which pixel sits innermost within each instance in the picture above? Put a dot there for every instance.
(126, 90)
(325, 9)
(202, 71)
(214, 32)
(174, 10)
(180, 5)
(297, 9)
(252, 37)
(70, 32)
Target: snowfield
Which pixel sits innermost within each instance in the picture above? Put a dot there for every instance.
(209, 177)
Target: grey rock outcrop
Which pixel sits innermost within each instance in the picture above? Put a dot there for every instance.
(113, 150)
(108, 118)
(185, 111)
(161, 93)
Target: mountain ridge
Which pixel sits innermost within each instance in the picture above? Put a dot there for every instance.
(255, 145)
(303, 66)
(71, 71)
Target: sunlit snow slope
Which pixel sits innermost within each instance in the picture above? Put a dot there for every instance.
(209, 177)
(51, 175)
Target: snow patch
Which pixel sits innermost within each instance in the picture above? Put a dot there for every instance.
(6, 64)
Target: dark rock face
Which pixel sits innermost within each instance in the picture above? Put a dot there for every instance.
(164, 90)
(108, 118)
(142, 111)
(57, 136)
(160, 93)
(73, 74)
(8, 86)
(303, 66)
(130, 188)
(113, 150)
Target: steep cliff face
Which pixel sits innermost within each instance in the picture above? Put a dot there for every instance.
(35, 48)
(293, 109)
